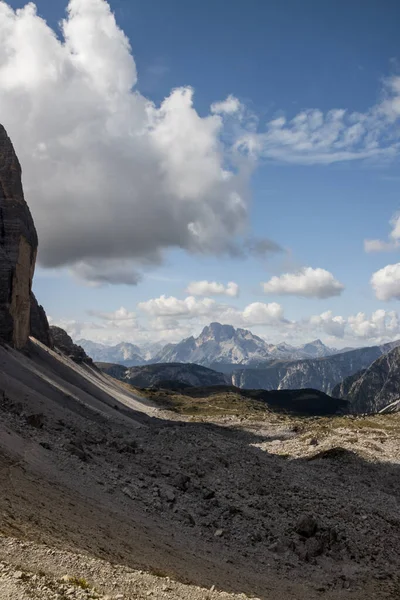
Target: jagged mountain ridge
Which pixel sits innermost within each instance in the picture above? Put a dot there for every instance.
(215, 345)
(224, 344)
(374, 389)
(124, 353)
(321, 373)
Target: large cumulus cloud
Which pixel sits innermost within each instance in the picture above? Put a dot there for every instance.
(112, 179)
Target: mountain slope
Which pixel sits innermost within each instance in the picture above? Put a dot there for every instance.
(321, 374)
(167, 375)
(375, 388)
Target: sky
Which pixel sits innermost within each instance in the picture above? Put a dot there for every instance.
(191, 162)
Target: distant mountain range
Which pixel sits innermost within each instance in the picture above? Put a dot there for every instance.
(217, 344)
(320, 373)
(366, 377)
(125, 354)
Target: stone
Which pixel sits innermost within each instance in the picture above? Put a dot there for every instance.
(314, 547)
(36, 420)
(169, 495)
(219, 533)
(18, 575)
(77, 449)
(45, 445)
(306, 526)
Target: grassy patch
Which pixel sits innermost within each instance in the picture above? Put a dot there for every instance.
(217, 404)
(80, 582)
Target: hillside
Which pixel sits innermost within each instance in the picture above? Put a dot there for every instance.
(321, 374)
(375, 388)
(175, 374)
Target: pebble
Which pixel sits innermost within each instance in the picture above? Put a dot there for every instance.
(18, 575)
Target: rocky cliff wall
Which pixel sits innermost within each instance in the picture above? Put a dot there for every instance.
(18, 248)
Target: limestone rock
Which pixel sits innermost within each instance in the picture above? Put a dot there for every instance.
(39, 325)
(18, 247)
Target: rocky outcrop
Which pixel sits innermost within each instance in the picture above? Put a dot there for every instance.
(39, 324)
(20, 313)
(18, 247)
(374, 389)
(62, 342)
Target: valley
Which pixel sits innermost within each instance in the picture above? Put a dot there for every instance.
(164, 480)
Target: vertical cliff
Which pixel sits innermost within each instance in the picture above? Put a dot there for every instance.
(18, 248)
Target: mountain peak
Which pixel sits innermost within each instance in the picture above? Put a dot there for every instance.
(218, 331)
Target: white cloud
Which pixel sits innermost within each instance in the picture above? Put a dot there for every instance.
(171, 320)
(229, 106)
(306, 283)
(316, 137)
(121, 314)
(329, 324)
(73, 327)
(259, 313)
(212, 288)
(386, 282)
(392, 244)
(119, 318)
(379, 246)
(170, 306)
(381, 324)
(113, 181)
(379, 327)
(205, 310)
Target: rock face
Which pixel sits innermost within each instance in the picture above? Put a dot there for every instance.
(374, 389)
(62, 341)
(321, 374)
(20, 313)
(18, 247)
(39, 324)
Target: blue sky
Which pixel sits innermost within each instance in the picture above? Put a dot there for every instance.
(277, 60)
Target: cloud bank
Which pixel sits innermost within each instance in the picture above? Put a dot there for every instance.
(306, 283)
(212, 288)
